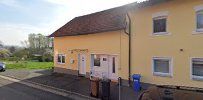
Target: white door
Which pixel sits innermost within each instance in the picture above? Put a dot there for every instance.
(82, 64)
(104, 65)
(113, 67)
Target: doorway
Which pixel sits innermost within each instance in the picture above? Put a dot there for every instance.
(82, 64)
(104, 66)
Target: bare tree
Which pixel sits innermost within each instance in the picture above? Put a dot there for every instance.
(25, 44)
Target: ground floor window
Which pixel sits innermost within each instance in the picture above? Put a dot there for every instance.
(197, 68)
(113, 65)
(162, 66)
(61, 58)
(97, 60)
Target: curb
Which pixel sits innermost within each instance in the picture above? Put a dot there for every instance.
(48, 88)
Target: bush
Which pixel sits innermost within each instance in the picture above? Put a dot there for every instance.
(47, 58)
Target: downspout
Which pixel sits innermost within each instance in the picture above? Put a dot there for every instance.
(129, 44)
(129, 63)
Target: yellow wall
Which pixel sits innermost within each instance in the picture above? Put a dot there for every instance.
(181, 24)
(100, 43)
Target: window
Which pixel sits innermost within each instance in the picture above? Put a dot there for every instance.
(162, 66)
(159, 25)
(97, 60)
(197, 68)
(113, 65)
(200, 21)
(104, 59)
(61, 58)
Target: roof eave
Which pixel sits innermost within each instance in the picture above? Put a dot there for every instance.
(52, 35)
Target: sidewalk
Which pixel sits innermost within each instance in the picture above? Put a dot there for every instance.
(71, 83)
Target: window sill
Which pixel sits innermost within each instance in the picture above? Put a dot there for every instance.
(197, 78)
(161, 33)
(162, 74)
(60, 63)
(197, 32)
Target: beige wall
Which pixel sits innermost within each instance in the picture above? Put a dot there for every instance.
(112, 43)
(181, 24)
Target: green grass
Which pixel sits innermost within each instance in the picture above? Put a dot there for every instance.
(28, 65)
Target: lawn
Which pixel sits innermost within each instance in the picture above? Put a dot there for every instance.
(28, 65)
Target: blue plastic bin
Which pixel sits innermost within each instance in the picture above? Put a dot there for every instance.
(136, 82)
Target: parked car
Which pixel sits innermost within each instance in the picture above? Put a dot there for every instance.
(2, 66)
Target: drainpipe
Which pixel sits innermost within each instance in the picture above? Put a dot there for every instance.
(129, 63)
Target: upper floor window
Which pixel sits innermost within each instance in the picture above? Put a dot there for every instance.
(197, 68)
(61, 58)
(160, 23)
(199, 21)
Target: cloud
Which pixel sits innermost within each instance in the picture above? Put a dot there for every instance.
(59, 2)
(68, 9)
(64, 10)
(13, 34)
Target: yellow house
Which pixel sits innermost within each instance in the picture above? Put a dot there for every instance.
(95, 44)
(162, 40)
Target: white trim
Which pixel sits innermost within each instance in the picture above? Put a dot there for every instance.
(160, 33)
(160, 14)
(193, 77)
(61, 58)
(170, 74)
(197, 32)
(198, 8)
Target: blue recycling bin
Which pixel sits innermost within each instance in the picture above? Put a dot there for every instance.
(136, 82)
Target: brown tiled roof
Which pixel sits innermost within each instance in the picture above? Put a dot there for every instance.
(108, 20)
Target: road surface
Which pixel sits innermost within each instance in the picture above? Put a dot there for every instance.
(16, 91)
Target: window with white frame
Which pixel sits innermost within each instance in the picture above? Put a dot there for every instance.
(61, 58)
(199, 15)
(197, 68)
(162, 66)
(159, 25)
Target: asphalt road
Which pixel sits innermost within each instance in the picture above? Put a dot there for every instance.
(16, 91)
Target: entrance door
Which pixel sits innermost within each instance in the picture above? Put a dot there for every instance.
(82, 64)
(113, 67)
(104, 65)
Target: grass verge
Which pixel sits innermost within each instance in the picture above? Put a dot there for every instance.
(28, 65)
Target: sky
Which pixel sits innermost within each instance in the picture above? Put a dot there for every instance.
(18, 18)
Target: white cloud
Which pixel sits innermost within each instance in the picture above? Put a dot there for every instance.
(68, 9)
(12, 33)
